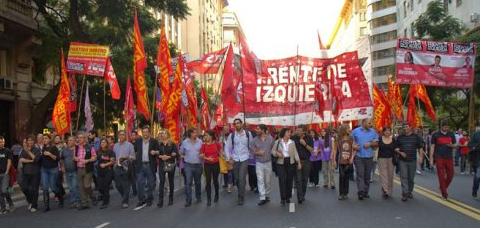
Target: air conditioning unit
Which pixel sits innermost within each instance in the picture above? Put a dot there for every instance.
(6, 84)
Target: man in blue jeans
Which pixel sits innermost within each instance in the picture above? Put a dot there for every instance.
(190, 152)
(365, 140)
(69, 168)
(145, 167)
(474, 145)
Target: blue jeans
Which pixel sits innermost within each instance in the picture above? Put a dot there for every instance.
(145, 177)
(49, 179)
(193, 172)
(72, 183)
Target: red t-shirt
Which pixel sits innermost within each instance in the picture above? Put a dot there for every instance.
(211, 150)
(464, 149)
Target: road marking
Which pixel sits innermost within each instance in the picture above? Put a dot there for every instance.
(103, 225)
(139, 207)
(463, 205)
(450, 204)
(292, 207)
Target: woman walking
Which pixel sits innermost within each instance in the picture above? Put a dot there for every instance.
(315, 158)
(387, 146)
(167, 160)
(49, 169)
(344, 147)
(210, 152)
(105, 163)
(287, 158)
(328, 164)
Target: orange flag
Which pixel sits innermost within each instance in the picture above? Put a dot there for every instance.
(172, 108)
(395, 98)
(163, 62)
(382, 109)
(422, 94)
(61, 113)
(140, 63)
(413, 119)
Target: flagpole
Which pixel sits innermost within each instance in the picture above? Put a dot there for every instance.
(419, 110)
(105, 120)
(296, 83)
(80, 102)
(157, 70)
(220, 84)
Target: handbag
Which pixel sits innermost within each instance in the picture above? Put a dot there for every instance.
(223, 165)
(169, 166)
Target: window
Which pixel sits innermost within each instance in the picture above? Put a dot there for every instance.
(363, 31)
(404, 8)
(381, 54)
(383, 37)
(419, 1)
(412, 5)
(412, 30)
(446, 5)
(362, 16)
(459, 3)
(385, 20)
(383, 4)
(3, 62)
(381, 71)
(405, 33)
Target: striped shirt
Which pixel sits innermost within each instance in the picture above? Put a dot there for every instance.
(409, 144)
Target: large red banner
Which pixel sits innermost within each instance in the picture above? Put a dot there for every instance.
(435, 63)
(87, 59)
(287, 96)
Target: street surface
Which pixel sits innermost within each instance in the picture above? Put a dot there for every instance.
(322, 209)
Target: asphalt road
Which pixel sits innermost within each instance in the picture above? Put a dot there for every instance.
(322, 209)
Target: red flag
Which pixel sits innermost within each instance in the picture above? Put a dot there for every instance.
(189, 88)
(320, 100)
(73, 92)
(228, 79)
(173, 107)
(111, 78)
(413, 119)
(61, 109)
(395, 99)
(249, 61)
(165, 67)
(209, 63)
(382, 109)
(129, 112)
(140, 63)
(219, 115)
(205, 119)
(422, 94)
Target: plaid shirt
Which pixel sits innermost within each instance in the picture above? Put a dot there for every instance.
(81, 155)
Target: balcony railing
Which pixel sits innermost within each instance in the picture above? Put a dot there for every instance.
(20, 11)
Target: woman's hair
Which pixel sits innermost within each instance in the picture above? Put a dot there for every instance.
(283, 132)
(189, 132)
(343, 131)
(384, 129)
(316, 135)
(106, 142)
(211, 133)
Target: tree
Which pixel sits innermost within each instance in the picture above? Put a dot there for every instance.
(106, 22)
(451, 104)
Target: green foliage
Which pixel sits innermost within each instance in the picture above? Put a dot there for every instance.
(451, 104)
(105, 22)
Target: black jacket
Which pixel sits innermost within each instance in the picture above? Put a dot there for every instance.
(153, 145)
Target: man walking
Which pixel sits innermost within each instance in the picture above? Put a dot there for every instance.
(68, 166)
(6, 157)
(146, 167)
(262, 146)
(407, 147)
(365, 139)
(443, 143)
(474, 158)
(304, 145)
(237, 152)
(125, 155)
(190, 152)
(85, 156)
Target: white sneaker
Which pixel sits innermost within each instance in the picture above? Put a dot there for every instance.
(418, 172)
(33, 210)
(318, 186)
(310, 185)
(462, 173)
(29, 207)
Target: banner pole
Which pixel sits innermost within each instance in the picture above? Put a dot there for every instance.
(105, 119)
(153, 96)
(80, 101)
(296, 84)
(218, 87)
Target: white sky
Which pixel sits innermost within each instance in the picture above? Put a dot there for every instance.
(274, 28)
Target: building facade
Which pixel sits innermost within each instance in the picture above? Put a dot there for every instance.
(382, 21)
(18, 92)
(202, 30)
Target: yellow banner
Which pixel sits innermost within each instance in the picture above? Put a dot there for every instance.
(88, 50)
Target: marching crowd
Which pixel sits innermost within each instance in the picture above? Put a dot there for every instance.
(89, 166)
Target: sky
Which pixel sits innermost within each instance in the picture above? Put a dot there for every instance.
(274, 28)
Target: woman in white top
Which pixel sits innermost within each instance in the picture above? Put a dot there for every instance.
(285, 152)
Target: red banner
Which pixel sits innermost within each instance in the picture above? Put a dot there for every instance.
(140, 63)
(382, 109)
(173, 105)
(209, 63)
(111, 78)
(61, 111)
(87, 59)
(435, 63)
(287, 96)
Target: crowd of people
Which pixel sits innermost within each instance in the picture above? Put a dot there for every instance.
(80, 170)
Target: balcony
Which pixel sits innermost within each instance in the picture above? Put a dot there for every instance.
(384, 45)
(18, 11)
(383, 29)
(383, 62)
(377, 14)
